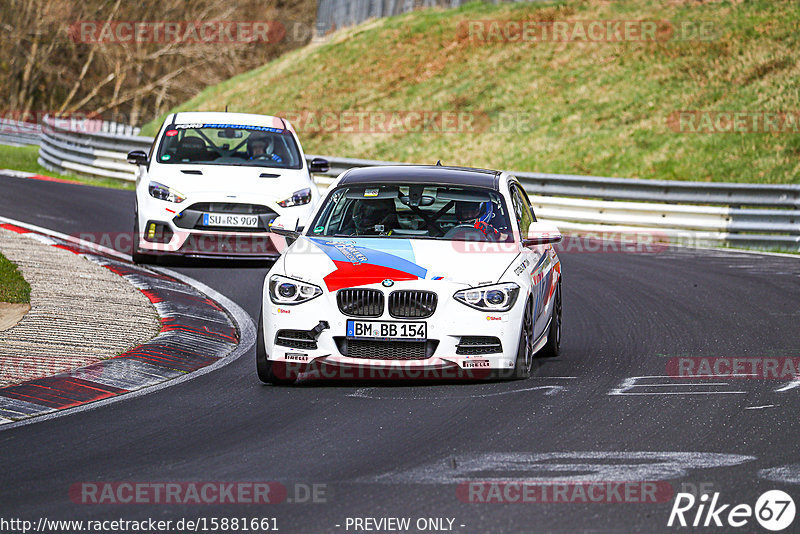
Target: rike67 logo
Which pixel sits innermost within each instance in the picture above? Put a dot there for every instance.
(774, 510)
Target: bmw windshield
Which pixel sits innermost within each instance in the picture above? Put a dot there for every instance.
(422, 211)
(229, 144)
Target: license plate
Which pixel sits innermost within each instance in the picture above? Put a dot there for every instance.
(227, 219)
(386, 330)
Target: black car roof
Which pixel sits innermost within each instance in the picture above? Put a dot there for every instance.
(423, 174)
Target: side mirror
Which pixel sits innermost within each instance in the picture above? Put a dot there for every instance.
(286, 226)
(319, 165)
(137, 157)
(541, 233)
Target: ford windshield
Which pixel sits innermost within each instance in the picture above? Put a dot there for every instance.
(229, 144)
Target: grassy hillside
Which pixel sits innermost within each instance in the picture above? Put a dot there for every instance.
(599, 108)
(13, 287)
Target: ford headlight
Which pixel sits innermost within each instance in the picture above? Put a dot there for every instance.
(163, 192)
(498, 297)
(283, 290)
(298, 198)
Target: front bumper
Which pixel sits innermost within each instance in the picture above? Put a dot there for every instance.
(447, 330)
(182, 233)
(215, 245)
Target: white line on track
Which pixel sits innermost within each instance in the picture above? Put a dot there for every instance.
(745, 251)
(791, 385)
(629, 383)
(245, 325)
(363, 393)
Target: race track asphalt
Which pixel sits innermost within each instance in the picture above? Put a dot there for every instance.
(601, 411)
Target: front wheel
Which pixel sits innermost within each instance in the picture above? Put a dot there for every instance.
(524, 361)
(264, 366)
(135, 255)
(553, 346)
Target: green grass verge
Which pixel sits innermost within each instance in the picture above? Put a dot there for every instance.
(583, 108)
(24, 158)
(13, 287)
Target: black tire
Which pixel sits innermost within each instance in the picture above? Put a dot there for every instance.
(553, 346)
(136, 256)
(524, 361)
(264, 366)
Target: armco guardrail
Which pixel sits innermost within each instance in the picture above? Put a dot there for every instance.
(94, 148)
(19, 133)
(335, 14)
(696, 213)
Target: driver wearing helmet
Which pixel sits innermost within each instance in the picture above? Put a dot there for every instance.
(260, 146)
(374, 217)
(478, 215)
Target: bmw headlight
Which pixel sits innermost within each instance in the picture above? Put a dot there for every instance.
(163, 192)
(283, 290)
(498, 297)
(298, 198)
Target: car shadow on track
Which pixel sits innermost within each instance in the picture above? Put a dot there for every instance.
(211, 263)
(389, 378)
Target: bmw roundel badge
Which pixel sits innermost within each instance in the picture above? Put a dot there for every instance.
(388, 283)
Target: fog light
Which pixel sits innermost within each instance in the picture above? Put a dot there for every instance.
(158, 232)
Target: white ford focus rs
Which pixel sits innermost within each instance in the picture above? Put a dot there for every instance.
(214, 181)
(418, 269)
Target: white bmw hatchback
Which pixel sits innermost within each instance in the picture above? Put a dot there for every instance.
(214, 181)
(413, 271)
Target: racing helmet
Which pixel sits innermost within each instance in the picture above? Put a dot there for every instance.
(259, 138)
(368, 213)
(469, 212)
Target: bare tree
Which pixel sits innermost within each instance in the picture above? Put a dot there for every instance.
(47, 66)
